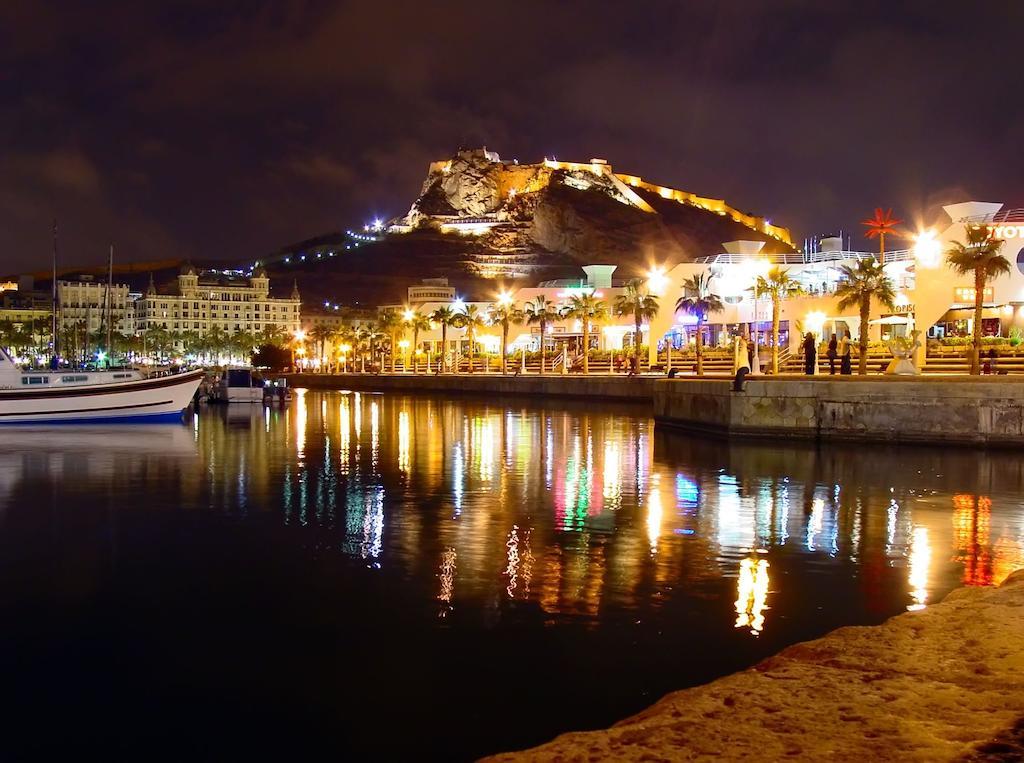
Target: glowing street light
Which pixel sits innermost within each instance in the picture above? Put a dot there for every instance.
(504, 298)
(656, 279)
(408, 315)
(927, 249)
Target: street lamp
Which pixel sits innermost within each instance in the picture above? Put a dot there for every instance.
(927, 249)
(504, 298)
(656, 279)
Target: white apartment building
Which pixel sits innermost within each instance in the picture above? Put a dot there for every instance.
(218, 299)
(84, 303)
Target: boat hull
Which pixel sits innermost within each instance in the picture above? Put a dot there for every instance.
(150, 400)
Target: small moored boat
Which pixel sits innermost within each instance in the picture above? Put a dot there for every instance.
(34, 397)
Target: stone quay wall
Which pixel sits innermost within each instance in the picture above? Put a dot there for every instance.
(619, 388)
(937, 410)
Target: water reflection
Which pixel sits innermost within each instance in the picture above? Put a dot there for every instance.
(484, 522)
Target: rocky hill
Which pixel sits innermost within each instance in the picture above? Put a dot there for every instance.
(480, 220)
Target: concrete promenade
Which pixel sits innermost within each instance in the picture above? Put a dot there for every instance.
(958, 410)
(943, 683)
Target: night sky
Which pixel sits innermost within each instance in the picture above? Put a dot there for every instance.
(228, 129)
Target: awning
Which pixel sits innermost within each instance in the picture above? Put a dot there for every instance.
(890, 320)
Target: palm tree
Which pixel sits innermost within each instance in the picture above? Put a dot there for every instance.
(859, 285)
(879, 226)
(587, 309)
(320, 334)
(636, 301)
(419, 322)
(698, 300)
(778, 285)
(273, 335)
(471, 320)
(980, 256)
(243, 343)
(504, 314)
(446, 317)
(216, 341)
(158, 341)
(391, 324)
(541, 311)
(365, 334)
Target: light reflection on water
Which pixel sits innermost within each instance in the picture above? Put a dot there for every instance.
(665, 559)
(505, 473)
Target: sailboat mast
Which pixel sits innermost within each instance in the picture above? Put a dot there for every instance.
(54, 360)
(110, 285)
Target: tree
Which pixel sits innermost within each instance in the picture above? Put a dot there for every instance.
(778, 285)
(271, 356)
(391, 324)
(879, 226)
(472, 321)
(418, 322)
(979, 256)
(243, 344)
(273, 334)
(587, 309)
(158, 342)
(541, 311)
(505, 313)
(321, 335)
(445, 317)
(859, 285)
(636, 301)
(699, 301)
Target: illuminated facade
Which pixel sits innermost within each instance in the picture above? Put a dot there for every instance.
(229, 301)
(84, 303)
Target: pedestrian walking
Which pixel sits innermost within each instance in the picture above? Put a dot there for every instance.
(833, 353)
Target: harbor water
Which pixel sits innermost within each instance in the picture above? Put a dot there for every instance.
(357, 574)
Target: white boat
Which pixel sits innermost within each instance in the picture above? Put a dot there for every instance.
(238, 385)
(34, 397)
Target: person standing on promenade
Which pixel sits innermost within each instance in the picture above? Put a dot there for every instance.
(833, 346)
(845, 363)
(741, 355)
(810, 354)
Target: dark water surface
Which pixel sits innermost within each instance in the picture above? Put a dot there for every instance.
(407, 576)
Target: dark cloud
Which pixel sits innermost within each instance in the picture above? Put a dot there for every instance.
(227, 130)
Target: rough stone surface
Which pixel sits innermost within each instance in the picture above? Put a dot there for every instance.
(944, 683)
(979, 411)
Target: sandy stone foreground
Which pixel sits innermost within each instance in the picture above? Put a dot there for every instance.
(943, 683)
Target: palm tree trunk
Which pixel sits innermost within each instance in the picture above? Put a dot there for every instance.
(472, 353)
(504, 349)
(543, 326)
(444, 347)
(979, 308)
(775, 335)
(636, 342)
(586, 346)
(698, 346)
(865, 315)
